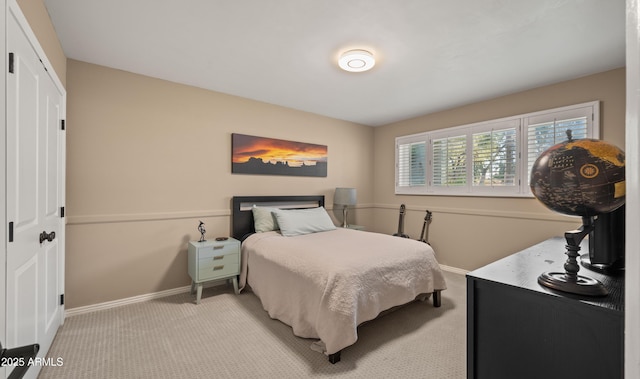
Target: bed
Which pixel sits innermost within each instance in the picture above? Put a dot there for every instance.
(324, 283)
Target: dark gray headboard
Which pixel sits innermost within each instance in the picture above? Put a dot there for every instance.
(242, 216)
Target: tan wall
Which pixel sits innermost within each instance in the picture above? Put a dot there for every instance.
(38, 17)
(147, 159)
(469, 232)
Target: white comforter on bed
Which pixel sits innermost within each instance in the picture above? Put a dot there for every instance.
(326, 284)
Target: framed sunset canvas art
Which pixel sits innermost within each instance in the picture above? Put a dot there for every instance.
(270, 156)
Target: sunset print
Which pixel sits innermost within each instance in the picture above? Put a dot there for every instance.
(268, 156)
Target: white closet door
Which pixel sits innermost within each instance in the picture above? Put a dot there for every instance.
(35, 169)
(51, 166)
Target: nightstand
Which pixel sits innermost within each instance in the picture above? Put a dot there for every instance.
(356, 227)
(213, 260)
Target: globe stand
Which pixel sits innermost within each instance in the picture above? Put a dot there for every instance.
(570, 281)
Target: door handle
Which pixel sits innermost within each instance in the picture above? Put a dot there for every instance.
(49, 237)
(23, 353)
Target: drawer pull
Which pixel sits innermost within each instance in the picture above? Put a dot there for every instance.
(218, 247)
(218, 257)
(215, 268)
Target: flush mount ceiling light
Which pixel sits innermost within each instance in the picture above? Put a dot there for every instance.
(356, 61)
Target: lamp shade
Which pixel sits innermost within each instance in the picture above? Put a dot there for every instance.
(345, 196)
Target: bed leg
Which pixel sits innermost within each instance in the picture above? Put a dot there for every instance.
(334, 358)
(437, 299)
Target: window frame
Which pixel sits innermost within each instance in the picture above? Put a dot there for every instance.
(521, 123)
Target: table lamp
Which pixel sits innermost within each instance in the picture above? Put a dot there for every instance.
(345, 197)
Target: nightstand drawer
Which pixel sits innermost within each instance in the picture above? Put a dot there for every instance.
(218, 260)
(218, 257)
(214, 271)
(208, 252)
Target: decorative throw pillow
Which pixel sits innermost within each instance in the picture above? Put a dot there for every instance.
(263, 219)
(295, 222)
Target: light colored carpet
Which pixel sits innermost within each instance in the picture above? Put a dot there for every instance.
(229, 336)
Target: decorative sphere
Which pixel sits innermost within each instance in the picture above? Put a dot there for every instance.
(582, 177)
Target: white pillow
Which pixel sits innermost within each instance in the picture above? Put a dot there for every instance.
(263, 219)
(295, 222)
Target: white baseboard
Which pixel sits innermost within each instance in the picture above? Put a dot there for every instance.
(125, 301)
(454, 270)
(136, 299)
(156, 295)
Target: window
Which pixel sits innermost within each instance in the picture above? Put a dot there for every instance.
(492, 158)
(411, 163)
(449, 161)
(544, 131)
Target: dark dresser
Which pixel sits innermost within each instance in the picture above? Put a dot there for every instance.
(517, 328)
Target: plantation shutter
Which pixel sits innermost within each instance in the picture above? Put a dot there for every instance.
(546, 130)
(495, 156)
(411, 163)
(450, 161)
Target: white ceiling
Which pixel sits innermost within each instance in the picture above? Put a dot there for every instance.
(431, 55)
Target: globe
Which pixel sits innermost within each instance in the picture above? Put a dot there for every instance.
(582, 177)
